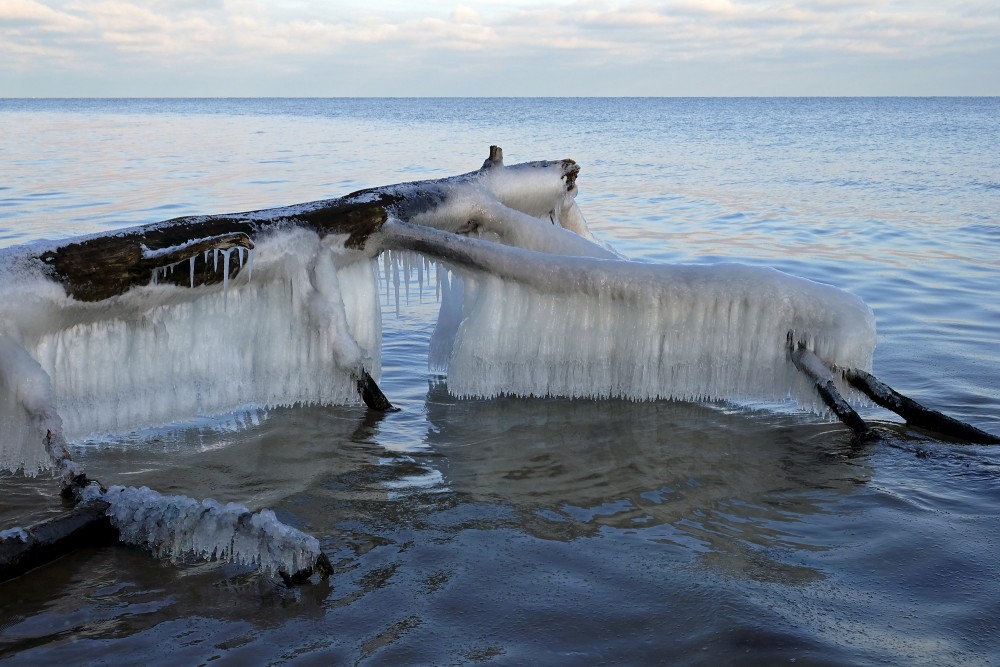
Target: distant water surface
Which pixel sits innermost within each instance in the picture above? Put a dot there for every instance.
(556, 532)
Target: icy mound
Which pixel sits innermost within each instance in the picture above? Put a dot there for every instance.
(177, 527)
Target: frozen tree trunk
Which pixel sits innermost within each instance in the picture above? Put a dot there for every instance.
(103, 266)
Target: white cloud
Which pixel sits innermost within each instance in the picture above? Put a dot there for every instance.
(193, 38)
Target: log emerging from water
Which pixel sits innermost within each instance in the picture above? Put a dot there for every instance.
(24, 549)
(916, 414)
(807, 362)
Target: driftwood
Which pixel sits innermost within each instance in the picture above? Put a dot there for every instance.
(103, 267)
(83, 526)
(916, 414)
(807, 362)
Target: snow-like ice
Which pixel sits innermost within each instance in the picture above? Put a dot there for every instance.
(296, 334)
(535, 324)
(177, 527)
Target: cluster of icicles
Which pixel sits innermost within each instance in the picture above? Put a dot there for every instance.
(243, 254)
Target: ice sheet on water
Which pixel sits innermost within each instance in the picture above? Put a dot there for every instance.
(177, 527)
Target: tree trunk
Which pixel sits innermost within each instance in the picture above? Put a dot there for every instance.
(106, 265)
(86, 525)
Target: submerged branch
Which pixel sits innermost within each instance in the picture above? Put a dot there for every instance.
(24, 549)
(807, 362)
(916, 414)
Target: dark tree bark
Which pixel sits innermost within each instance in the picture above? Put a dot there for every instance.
(86, 525)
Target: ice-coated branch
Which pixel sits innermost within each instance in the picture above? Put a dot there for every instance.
(102, 266)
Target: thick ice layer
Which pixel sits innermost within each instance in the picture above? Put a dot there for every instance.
(295, 333)
(177, 527)
(543, 325)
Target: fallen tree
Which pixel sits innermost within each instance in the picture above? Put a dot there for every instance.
(538, 307)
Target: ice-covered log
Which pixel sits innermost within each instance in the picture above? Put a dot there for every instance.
(201, 315)
(178, 527)
(535, 324)
(102, 266)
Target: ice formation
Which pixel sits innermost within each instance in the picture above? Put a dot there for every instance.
(177, 527)
(523, 323)
(531, 304)
(297, 333)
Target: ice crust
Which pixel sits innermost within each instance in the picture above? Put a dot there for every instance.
(178, 527)
(296, 333)
(532, 304)
(523, 323)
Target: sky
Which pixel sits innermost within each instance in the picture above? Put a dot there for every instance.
(323, 48)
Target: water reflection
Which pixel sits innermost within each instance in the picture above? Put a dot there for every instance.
(721, 483)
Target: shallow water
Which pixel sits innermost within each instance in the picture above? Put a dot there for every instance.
(518, 531)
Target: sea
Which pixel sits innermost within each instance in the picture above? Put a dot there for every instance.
(548, 531)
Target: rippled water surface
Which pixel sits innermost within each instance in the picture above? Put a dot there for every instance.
(556, 532)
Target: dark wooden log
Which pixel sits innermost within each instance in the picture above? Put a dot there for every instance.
(105, 266)
(916, 414)
(86, 525)
(806, 361)
(372, 395)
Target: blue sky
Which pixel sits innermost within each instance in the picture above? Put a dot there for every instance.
(520, 47)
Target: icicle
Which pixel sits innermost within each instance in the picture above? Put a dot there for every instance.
(395, 279)
(206, 255)
(386, 259)
(191, 263)
(225, 277)
(215, 260)
(249, 265)
(240, 249)
(420, 280)
(407, 272)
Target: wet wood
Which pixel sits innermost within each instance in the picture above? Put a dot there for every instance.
(101, 267)
(916, 414)
(812, 366)
(83, 526)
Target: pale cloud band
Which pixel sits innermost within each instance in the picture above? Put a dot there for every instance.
(375, 47)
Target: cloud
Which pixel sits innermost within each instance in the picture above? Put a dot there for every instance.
(193, 36)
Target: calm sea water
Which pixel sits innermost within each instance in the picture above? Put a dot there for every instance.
(554, 532)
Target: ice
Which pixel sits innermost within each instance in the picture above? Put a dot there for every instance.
(534, 324)
(297, 334)
(531, 304)
(178, 527)
(27, 412)
(16, 533)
